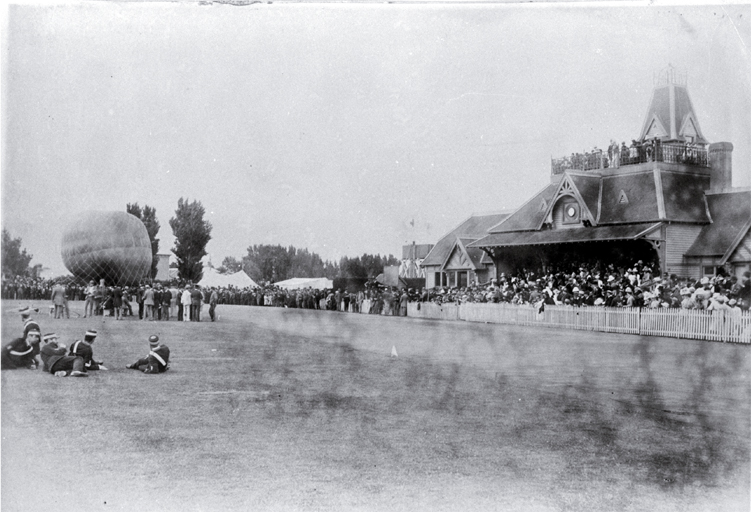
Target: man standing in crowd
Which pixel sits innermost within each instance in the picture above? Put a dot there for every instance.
(89, 306)
(56, 362)
(212, 304)
(166, 302)
(156, 361)
(186, 301)
(403, 300)
(195, 304)
(99, 297)
(157, 314)
(58, 299)
(148, 303)
(83, 349)
(22, 352)
(175, 303)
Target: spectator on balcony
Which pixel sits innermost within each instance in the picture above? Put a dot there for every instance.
(614, 154)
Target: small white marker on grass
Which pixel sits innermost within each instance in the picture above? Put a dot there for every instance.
(393, 351)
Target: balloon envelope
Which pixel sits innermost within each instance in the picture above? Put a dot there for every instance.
(113, 246)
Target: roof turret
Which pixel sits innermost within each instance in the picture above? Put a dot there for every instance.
(671, 116)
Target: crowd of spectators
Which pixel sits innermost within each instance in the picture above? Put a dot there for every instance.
(585, 285)
(27, 288)
(637, 152)
(636, 286)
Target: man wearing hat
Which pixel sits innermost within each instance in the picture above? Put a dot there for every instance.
(22, 352)
(148, 302)
(56, 362)
(82, 348)
(157, 360)
(28, 322)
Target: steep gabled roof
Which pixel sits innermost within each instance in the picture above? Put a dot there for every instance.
(531, 214)
(589, 189)
(731, 220)
(462, 258)
(562, 236)
(671, 115)
(472, 228)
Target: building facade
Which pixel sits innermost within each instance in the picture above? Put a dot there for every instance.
(451, 262)
(666, 199)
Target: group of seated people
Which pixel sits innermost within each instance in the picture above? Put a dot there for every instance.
(32, 351)
(636, 286)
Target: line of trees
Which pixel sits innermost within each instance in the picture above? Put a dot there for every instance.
(192, 234)
(274, 263)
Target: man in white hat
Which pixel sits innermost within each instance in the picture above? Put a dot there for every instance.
(56, 362)
(82, 348)
(156, 361)
(687, 301)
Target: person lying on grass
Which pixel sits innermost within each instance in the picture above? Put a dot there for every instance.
(157, 360)
(82, 348)
(56, 362)
(22, 352)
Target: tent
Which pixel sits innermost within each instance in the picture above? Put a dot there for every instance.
(213, 278)
(318, 283)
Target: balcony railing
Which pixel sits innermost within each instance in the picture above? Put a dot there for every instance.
(675, 153)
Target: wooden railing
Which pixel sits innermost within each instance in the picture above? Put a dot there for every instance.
(728, 326)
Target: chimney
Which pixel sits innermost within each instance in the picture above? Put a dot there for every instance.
(721, 163)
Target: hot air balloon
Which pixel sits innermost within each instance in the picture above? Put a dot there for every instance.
(113, 246)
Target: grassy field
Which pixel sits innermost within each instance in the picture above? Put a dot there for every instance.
(273, 409)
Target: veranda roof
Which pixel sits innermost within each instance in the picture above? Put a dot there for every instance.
(564, 236)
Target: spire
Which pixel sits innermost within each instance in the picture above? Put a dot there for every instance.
(671, 116)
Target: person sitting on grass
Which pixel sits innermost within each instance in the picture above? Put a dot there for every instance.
(157, 360)
(28, 322)
(22, 352)
(82, 348)
(56, 362)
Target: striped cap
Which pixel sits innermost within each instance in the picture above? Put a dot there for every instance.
(49, 336)
(90, 335)
(154, 340)
(25, 311)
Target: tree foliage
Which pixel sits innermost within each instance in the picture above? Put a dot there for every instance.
(192, 234)
(148, 217)
(15, 259)
(365, 266)
(274, 263)
(230, 265)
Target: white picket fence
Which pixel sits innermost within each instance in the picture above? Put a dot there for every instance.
(677, 323)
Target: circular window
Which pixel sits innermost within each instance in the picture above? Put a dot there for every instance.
(571, 211)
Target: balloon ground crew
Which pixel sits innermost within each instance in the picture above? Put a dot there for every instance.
(157, 360)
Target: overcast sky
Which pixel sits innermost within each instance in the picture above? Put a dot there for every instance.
(332, 127)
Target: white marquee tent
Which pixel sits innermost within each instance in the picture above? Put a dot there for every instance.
(213, 278)
(318, 283)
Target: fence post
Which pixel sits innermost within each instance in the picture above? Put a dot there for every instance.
(638, 316)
